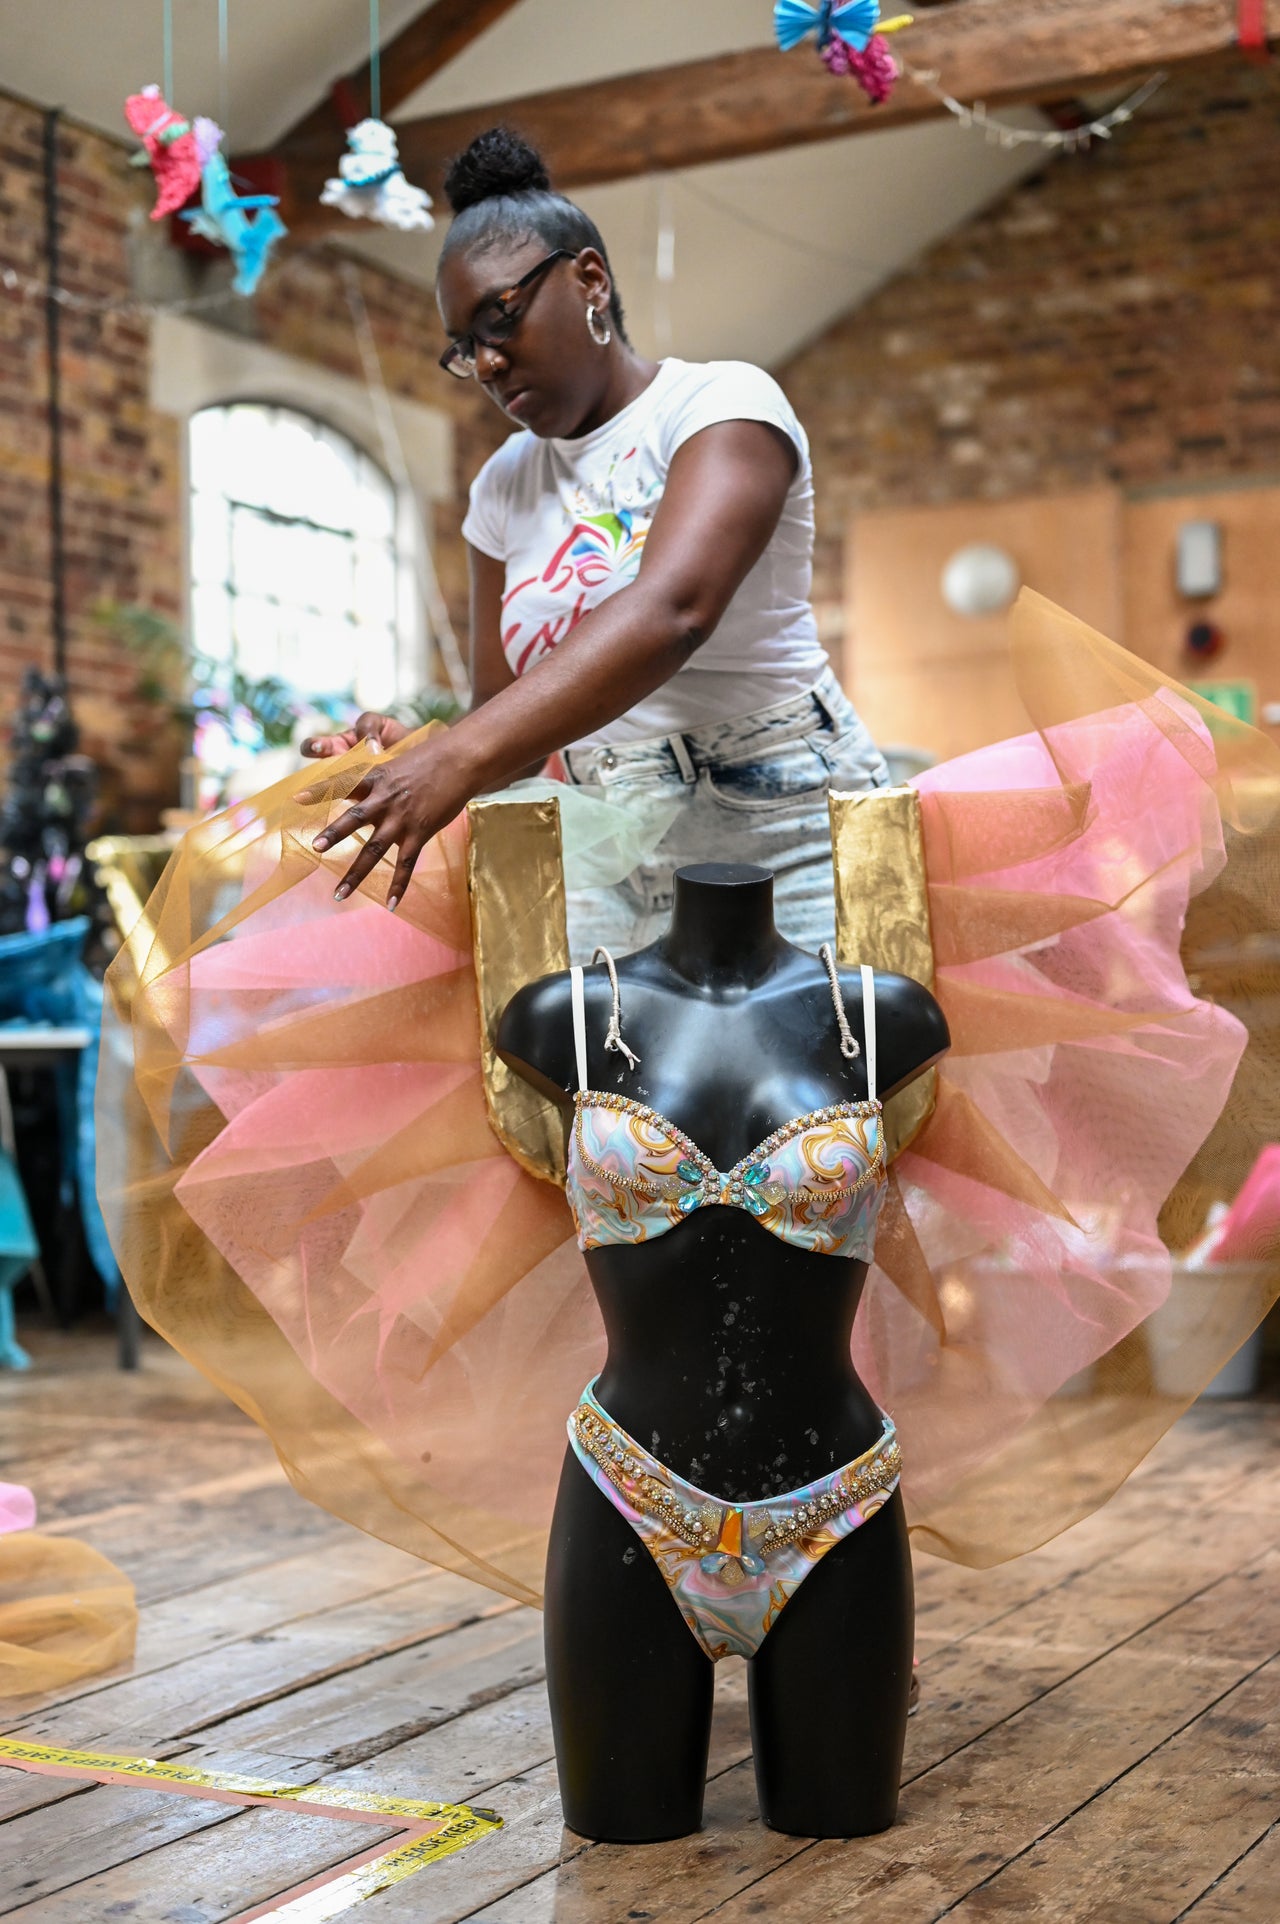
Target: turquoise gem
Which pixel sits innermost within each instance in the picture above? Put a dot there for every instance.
(753, 1204)
(689, 1202)
(756, 1173)
(688, 1171)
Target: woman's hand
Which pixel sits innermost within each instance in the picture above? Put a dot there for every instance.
(405, 802)
(382, 729)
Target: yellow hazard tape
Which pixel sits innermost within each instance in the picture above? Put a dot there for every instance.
(439, 1829)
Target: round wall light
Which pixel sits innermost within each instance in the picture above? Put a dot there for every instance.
(980, 580)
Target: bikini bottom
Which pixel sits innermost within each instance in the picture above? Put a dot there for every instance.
(730, 1566)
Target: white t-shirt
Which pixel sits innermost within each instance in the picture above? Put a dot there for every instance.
(568, 519)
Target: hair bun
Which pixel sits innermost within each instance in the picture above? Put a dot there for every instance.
(498, 161)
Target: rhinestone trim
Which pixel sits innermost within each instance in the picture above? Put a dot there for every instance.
(769, 1529)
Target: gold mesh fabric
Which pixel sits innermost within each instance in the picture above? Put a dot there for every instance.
(66, 1613)
(304, 1187)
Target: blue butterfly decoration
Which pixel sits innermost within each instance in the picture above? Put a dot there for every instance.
(223, 218)
(855, 22)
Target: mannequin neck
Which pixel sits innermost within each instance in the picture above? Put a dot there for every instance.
(722, 932)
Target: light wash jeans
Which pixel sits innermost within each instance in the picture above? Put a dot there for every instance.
(749, 790)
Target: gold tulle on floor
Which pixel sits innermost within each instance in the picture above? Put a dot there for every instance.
(66, 1613)
(308, 1200)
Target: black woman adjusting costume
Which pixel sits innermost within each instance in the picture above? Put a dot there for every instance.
(729, 1353)
(640, 553)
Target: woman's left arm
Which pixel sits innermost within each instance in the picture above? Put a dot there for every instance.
(725, 490)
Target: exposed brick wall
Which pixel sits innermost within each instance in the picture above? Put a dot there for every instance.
(1116, 318)
(123, 536)
(123, 502)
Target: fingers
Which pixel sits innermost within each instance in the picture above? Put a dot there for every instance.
(357, 816)
(318, 747)
(365, 863)
(411, 848)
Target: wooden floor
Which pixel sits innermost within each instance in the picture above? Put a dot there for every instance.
(1099, 1737)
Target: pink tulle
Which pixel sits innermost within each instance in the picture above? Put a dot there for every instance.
(1033, 1193)
(17, 1508)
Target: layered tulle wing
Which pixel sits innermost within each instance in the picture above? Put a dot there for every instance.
(306, 1196)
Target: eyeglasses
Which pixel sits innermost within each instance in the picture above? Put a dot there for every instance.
(497, 321)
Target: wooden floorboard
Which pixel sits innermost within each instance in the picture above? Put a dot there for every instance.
(1099, 1741)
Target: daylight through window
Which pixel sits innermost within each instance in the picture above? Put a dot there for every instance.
(293, 553)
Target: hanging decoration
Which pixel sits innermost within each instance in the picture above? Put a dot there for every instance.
(169, 144)
(873, 68)
(854, 23)
(370, 183)
(850, 39)
(186, 156)
(247, 225)
(851, 44)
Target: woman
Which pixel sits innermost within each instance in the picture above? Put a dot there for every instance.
(641, 557)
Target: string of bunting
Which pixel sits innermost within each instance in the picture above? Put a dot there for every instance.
(14, 281)
(1000, 133)
(852, 43)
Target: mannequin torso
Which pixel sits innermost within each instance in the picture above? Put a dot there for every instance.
(729, 1348)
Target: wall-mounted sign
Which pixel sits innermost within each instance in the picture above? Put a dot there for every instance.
(1238, 698)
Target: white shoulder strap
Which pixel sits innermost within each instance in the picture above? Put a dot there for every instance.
(869, 1027)
(579, 1024)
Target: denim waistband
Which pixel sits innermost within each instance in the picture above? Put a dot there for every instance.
(693, 749)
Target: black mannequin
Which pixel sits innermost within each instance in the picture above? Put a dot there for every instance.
(729, 1357)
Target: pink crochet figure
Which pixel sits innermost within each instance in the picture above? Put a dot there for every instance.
(873, 68)
(171, 147)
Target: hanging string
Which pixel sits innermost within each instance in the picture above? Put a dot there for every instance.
(375, 63)
(664, 266)
(397, 467)
(224, 94)
(167, 31)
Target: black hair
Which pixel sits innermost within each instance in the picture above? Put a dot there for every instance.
(500, 190)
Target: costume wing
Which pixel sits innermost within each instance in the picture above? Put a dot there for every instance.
(310, 1199)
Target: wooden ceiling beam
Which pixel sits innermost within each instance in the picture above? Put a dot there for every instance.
(1003, 52)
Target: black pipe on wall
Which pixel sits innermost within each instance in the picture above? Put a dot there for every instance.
(53, 350)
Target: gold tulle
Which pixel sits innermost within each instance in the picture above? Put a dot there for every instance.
(66, 1613)
(308, 1198)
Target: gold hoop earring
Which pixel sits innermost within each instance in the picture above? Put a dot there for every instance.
(593, 325)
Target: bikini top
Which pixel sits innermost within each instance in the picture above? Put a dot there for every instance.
(818, 1181)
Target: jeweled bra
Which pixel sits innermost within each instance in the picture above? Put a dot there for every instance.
(818, 1181)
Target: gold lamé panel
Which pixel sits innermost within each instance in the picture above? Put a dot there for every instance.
(515, 879)
(882, 916)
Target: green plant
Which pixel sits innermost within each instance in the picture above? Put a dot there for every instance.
(433, 704)
(192, 686)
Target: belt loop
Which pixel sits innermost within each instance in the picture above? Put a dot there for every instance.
(684, 760)
(821, 702)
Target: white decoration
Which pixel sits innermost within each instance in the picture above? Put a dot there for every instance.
(980, 580)
(370, 184)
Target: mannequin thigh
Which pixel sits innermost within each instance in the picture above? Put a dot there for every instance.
(630, 1688)
(829, 1688)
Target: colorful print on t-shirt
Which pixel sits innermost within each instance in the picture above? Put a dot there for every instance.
(606, 528)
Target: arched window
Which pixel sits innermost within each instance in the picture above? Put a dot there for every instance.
(294, 566)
